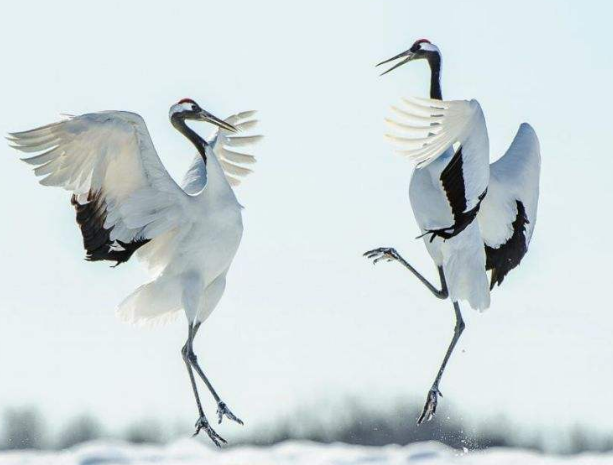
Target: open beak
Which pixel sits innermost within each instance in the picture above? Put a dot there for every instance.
(206, 116)
(407, 55)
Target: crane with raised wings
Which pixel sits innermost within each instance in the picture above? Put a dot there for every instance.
(474, 216)
(127, 203)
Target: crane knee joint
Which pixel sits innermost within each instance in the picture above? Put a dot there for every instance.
(188, 354)
(191, 356)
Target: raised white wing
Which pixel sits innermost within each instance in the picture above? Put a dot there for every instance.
(508, 213)
(122, 193)
(435, 125)
(223, 143)
(454, 134)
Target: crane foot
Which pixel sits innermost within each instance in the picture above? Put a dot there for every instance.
(430, 408)
(223, 410)
(203, 424)
(382, 253)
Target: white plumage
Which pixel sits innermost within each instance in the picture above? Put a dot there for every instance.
(474, 216)
(109, 152)
(112, 153)
(442, 128)
(127, 202)
(515, 176)
(224, 145)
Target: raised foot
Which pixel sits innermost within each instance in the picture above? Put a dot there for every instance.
(203, 424)
(382, 253)
(223, 410)
(430, 408)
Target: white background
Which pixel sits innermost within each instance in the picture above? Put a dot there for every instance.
(305, 318)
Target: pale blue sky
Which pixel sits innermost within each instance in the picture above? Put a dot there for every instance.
(304, 317)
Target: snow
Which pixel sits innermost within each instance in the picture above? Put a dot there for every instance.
(190, 452)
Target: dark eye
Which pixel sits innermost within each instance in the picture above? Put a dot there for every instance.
(415, 47)
(194, 107)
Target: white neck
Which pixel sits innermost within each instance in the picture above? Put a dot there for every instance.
(217, 186)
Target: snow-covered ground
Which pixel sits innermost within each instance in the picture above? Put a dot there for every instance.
(188, 452)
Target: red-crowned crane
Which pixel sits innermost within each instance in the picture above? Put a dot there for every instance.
(474, 216)
(126, 202)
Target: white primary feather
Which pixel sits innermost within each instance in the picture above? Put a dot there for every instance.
(222, 143)
(431, 129)
(444, 123)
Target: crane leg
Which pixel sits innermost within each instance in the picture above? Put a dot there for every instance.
(432, 400)
(390, 254)
(202, 422)
(222, 408)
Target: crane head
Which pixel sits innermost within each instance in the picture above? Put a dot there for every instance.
(421, 49)
(187, 109)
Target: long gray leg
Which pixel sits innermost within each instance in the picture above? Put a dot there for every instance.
(202, 423)
(222, 408)
(430, 407)
(390, 254)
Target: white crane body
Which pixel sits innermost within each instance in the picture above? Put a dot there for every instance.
(474, 217)
(189, 266)
(127, 203)
(461, 257)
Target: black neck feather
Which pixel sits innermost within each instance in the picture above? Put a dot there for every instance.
(179, 123)
(434, 61)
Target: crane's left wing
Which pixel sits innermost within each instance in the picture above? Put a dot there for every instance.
(122, 193)
(223, 143)
(508, 213)
(431, 130)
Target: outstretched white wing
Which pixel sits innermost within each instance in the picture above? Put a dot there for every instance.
(223, 143)
(508, 213)
(435, 125)
(454, 134)
(122, 193)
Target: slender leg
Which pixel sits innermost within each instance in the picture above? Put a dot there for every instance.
(390, 254)
(222, 408)
(430, 407)
(202, 422)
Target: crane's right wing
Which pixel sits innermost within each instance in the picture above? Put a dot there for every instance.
(223, 143)
(433, 128)
(122, 193)
(508, 213)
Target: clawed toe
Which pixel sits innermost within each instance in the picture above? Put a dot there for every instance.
(382, 253)
(203, 424)
(430, 407)
(223, 410)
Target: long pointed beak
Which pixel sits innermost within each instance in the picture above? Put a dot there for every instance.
(206, 116)
(407, 55)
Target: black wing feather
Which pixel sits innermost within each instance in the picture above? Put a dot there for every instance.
(96, 239)
(503, 259)
(452, 178)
